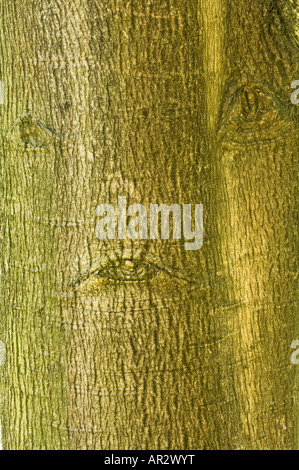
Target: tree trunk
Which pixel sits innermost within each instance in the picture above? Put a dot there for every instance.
(121, 344)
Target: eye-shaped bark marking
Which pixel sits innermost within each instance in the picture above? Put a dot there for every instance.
(253, 115)
(129, 271)
(252, 105)
(120, 270)
(30, 133)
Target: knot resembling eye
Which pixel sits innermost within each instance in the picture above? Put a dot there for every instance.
(252, 104)
(251, 114)
(128, 271)
(30, 133)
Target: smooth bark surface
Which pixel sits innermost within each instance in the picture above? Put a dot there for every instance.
(141, 344)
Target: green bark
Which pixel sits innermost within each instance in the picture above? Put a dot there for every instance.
(173, 101)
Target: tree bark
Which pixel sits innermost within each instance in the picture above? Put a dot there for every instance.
(140, 344)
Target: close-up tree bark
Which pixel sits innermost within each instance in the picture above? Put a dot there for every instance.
(141, 344)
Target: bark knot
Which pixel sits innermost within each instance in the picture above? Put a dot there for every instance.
(30, 132)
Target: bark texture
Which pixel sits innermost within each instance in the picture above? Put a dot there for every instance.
(143, 345)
